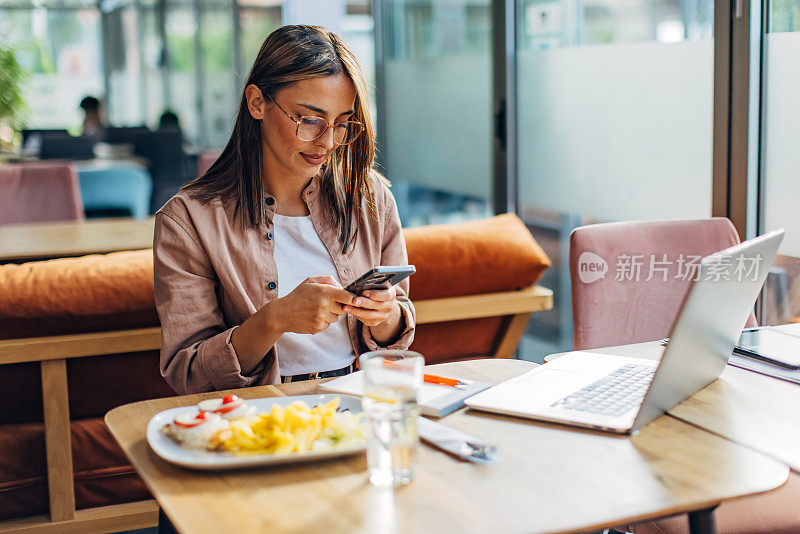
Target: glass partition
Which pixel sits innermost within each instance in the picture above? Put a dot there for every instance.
(126, 102)
(59, 47)
(437, 93)
(220, 88)
(615, 109)
(780, 182)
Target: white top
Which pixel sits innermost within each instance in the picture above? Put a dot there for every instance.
(300, 253)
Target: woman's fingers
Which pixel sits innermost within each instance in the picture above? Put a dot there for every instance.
(381, 295)
(375, 299)
(325, 279)
(368, 317)
(339, 295)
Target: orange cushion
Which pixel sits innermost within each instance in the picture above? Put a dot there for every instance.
(483, 256)
(103, 475)
(489, 255)
(89, 285)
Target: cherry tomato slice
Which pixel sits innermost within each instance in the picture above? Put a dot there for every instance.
(198, 420)
(229, 407)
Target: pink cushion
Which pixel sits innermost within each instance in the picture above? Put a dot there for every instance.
(621, 307)
(46, 191)
(205, 160)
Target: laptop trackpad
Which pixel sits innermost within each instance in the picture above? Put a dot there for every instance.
(543, 388)
(559, 383)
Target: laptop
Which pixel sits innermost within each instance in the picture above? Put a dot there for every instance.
(622, 394)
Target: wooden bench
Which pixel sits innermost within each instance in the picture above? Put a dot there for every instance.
(52, 353)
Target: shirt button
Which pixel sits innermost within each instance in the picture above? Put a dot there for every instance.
(272, 285)
(270, 201)
(269, 235)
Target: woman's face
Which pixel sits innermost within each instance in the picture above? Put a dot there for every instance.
(331, 98)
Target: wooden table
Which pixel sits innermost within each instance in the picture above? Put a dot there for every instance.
(548, 478)
(752, 409)
(40, 241)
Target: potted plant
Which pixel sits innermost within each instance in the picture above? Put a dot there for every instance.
(12, 106)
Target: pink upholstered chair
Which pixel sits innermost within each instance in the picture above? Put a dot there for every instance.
(611, 306)
(40, 191)
(205, 160)
(648, 271)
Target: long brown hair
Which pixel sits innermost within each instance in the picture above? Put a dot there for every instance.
(290, 54)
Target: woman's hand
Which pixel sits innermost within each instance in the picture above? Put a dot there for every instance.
(313, 306)
(373, 306)
(378, 309)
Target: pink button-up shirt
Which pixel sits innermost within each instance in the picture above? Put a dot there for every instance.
(211, 274)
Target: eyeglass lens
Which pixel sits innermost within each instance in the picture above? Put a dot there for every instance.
(311, 128)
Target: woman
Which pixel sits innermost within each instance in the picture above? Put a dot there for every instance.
(251, 257)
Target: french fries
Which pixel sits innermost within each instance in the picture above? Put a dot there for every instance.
(291, 428)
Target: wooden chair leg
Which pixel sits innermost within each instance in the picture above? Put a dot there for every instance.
(510, 339)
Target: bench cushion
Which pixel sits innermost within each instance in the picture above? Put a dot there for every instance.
(469, 258)
(103, 475)
(98, 284)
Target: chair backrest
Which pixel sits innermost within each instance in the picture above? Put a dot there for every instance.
(162, 147)
(629, 279)
(37, 192)
(66, 147)
(117, 188)
(169, 165)
(27, 133)
(205, 160)
(124, 134)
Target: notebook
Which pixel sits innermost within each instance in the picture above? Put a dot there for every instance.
(769, 369)
(434, 400)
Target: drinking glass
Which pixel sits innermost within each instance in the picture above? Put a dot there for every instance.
(392, 379)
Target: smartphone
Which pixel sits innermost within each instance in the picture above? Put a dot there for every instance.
(770, 346)
(381, 277)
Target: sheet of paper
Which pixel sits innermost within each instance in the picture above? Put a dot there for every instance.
(354, 385)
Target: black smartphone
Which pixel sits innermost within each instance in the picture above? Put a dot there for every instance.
(770, 346)
(381, 277)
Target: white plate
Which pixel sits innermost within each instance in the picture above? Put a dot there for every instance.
(172, 452)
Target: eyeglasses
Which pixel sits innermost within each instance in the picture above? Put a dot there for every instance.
(311, 128)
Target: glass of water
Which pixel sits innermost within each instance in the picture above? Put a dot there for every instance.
(392, 379)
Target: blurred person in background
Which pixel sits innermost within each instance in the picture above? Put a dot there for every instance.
(169, 121)
(93, 123)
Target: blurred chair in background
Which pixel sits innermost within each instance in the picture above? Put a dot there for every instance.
(168, 163)
(782, 292)
(29, 133)
(206, 160)
(66, 147)
(124, 135)
(38, 192)
(32, 139)
(116, 191)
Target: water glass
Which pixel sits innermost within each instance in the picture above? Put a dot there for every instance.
(392, 379)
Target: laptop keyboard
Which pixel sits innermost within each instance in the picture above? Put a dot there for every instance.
(614, 394)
